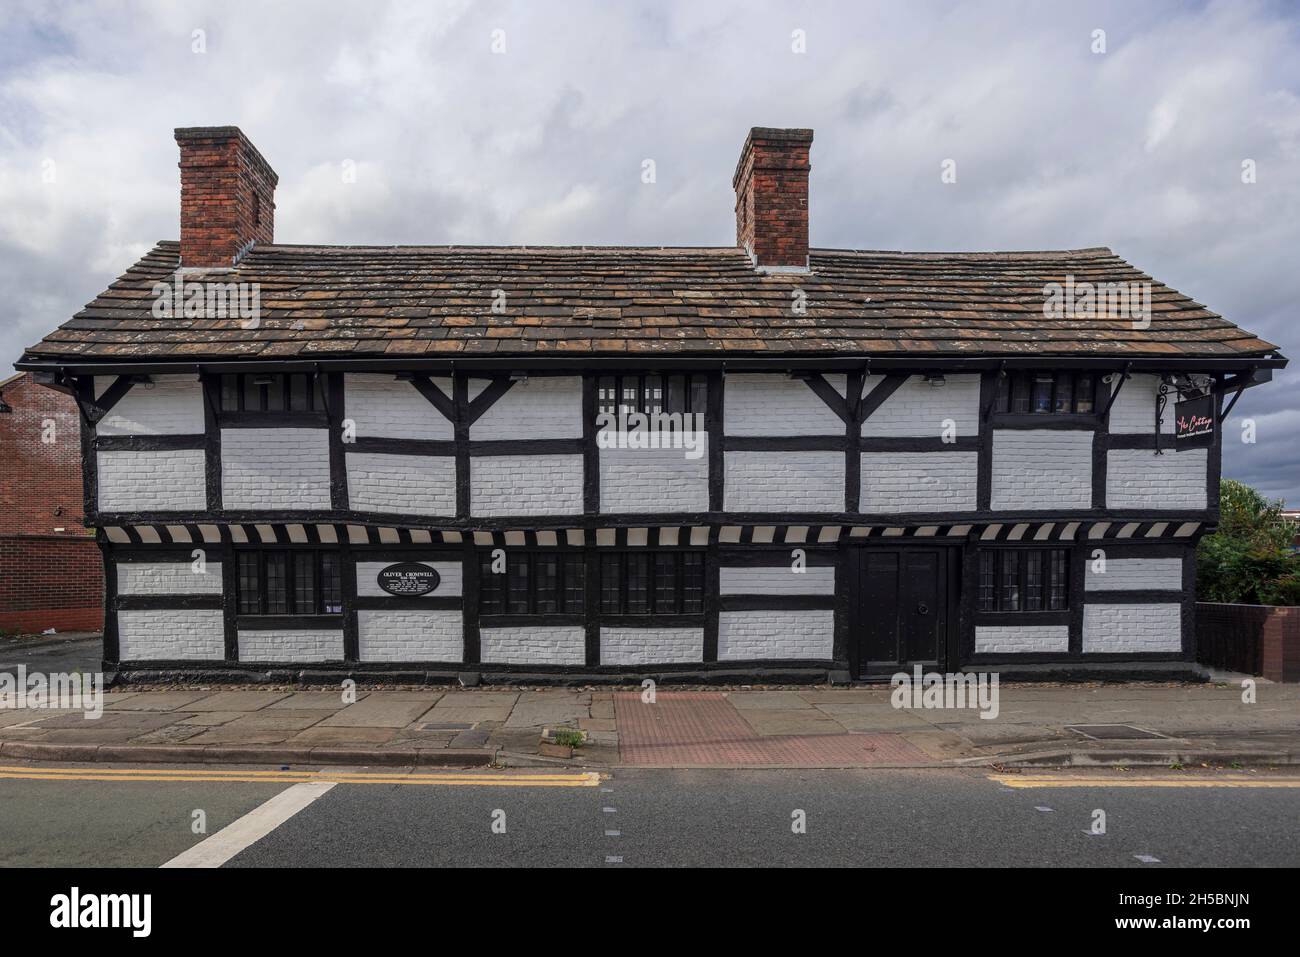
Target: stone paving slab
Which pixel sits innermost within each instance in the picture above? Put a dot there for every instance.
(382, 711)
(768, 701)
(320, 735)
(153, 700)
(237, 701)
(313, 701)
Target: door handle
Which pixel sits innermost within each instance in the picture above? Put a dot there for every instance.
(922, 608)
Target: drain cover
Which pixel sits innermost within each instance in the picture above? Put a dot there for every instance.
(1112, 732)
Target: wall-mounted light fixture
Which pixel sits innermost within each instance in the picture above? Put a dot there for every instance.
(935, 381)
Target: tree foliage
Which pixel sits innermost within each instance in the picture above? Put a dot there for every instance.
(1250, 559)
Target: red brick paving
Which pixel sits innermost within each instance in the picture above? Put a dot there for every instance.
(702, 729)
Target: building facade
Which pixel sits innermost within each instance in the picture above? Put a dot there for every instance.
(50, 567)
(574, 463)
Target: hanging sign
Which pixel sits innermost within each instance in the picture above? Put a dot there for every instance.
(409, 579)
(1194, 423)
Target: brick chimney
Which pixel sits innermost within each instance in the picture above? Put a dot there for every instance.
(771, 184)
(227, 196)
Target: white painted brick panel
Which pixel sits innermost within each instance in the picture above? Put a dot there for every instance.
(1138, 478)
(526, 485)
(918, 409)
(449, 574)
(275, 468)
(650, 646)
(1135, 573)
(1042, 469)
(1021, 639)
(784, 481)
(173, 405)
(529, 645)
(919, 481)
(777, 405)
(194, 634)
(168, 578)
(654, 480)
(410, 636)
(171, 481)
(777, 580)
(1132, 628)
(541, 407)
(402, 484)
(384, 407)
(291, 645)
(1134, 409)
(775, 633)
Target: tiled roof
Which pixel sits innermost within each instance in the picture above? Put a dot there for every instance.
(437, 301)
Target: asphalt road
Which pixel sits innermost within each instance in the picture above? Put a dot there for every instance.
(634, 818)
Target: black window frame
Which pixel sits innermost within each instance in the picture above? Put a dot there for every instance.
(568, 594)
(1004, 579)
(1015, 393)
(613, 389)
(234, 390)
(263, 604)
(687, 574)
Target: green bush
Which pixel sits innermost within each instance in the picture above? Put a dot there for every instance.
(1249, 560)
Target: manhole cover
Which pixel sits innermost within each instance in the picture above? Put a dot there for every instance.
(446, 726)
(1112, 732)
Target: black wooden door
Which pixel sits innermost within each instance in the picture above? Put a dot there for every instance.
(903, 612)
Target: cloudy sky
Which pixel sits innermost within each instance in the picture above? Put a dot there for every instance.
(1139, 148)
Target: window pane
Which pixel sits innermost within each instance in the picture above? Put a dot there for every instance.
(230, 393)
(517, 585)
(1042, 395)
(1034, 580)
(638, 584)
(652, 392)
(304, 583)
(692, 583)
(252, 394)
(676, 393)
(1058, 586)
(1064, 401)
(1083, 393)
(607, 395)
(666, 583)
(546, 569)
(275, 387)
(1010, 581)
(331, 583)
(250, 594)
(1020, 392)
(699, 394)
(628, 386)
(611, 579)
(277, 586)
(1002, 393)
(575, 580)
(987, 595)
(491, 589)
(299, 395)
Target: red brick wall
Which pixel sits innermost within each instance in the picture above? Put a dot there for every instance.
(54, 582)
(50, 567)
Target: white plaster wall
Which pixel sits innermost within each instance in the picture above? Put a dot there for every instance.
(171, 405)
(540, 407)
(920, 410)
(164, 481)
(385, 407)
(1132, 628)
(776, 634)
(402, 484)
(1042, 469)
(193, 634)
(650, 646)
(410, 636)
(275, 469)
(168, 578)
(919, 482)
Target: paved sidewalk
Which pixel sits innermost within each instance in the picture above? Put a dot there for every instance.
(741, 727)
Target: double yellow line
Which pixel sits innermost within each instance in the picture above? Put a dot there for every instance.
(586, 779)
(1148, 781)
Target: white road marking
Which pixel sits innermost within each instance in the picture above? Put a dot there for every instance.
(252, 827)
(1147, 859)
(1041, 808)
(613, 833)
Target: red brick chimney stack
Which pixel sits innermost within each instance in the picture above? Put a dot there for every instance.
(771, 184)
(227, 196)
